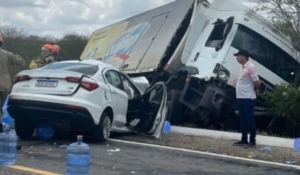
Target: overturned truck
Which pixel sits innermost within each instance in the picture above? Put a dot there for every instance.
(189, 44)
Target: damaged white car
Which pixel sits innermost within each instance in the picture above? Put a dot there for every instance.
(87, 97)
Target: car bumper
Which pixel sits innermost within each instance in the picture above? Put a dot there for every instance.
(63, 114)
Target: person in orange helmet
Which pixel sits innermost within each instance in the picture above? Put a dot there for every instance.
(56, 52)
(45, 58)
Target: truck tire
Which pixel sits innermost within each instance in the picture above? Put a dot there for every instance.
(175, 108)
(24, 127)
(102, 130)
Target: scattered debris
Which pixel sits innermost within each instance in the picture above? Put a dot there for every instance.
(267, 149)
(116, 150)
(289, 162)
(63, 146)
(251, 155)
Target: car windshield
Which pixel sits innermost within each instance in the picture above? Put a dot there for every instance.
(83, 68)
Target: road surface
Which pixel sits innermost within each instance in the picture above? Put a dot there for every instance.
(119, 158)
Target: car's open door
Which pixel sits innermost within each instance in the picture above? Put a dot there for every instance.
(152, 114)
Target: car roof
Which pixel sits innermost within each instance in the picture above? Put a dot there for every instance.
(92, 62)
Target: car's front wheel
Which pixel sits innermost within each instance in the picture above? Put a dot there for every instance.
(24, 127)
(102, 130)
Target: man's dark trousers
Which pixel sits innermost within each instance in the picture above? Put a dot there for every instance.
(247, 120)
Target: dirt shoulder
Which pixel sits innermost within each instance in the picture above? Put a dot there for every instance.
(219, 146)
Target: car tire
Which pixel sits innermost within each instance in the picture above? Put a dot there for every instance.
(102, 130)
(175, 108)
(24, 128)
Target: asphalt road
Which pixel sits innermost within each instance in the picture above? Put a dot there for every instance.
(117, 158)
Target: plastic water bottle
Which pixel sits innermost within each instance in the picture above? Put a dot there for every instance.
(78, 158)
(45, 132)
(297, 145)
(167, 127)
(7, 120)
(8, 147)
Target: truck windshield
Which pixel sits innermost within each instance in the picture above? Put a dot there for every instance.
(267, 54)
(219, 33)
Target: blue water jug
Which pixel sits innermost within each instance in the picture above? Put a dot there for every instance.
(45, 132)
(167, 127)
(78, 158)
(297, 145)
(7, 120)
(8, 147)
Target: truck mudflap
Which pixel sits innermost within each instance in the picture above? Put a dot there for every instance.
(202, 94)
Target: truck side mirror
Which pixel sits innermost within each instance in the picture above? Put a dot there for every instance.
(124, 66)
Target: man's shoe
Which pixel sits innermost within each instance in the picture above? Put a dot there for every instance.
(239, 143)
(251, 145)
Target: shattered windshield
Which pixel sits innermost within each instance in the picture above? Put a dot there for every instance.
(219, 33)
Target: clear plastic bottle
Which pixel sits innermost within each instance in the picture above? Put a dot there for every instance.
(78, 158)
(8, 147)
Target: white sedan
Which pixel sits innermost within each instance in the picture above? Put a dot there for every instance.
(86, 97)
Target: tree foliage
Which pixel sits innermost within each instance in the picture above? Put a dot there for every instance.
(285, 15)
(29, 46)
(285, 102)
(73, 45)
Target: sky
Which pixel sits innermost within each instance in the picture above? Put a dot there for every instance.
(59, 17)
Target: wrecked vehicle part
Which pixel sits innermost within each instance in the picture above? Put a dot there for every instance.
(189, 45)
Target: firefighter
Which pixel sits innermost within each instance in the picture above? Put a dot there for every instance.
(46, 57)
(55, 52)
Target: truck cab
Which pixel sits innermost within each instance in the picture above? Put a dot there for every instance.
(212, 70)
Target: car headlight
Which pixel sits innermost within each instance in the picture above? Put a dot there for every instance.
(224, 75)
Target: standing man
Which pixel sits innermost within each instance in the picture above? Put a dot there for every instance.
(247, 88)
(7, 60)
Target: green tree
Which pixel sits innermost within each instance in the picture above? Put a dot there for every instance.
(285, 15)
(72, 46)
(29, 46)
(285, 103)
